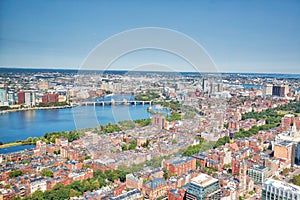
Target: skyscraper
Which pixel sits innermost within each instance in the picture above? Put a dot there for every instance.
(159, 120)
(280, 90)
(205, 86)
(21, 97)
(3, 95)
(267, 90)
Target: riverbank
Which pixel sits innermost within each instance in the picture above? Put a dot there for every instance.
(12, 144)
(35, 108)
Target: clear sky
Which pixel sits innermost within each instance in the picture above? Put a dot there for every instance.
(249, 36)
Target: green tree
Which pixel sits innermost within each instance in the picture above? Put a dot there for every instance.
(174, 141)
(37, 195)
(166, 173)
(296, 180)
(15, 173)
(197, 164)
(47, 172)
(285, 171)
(132, 145)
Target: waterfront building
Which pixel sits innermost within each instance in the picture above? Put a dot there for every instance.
(50, 98)
(203, 187)
(3, 95)
(275, 189)
(21, 97)
(11, 97)
(62, 141)
(27, 98)
(41, 146)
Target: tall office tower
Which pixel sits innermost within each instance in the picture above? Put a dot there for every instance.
(275, 189)
(220, 87)
(21, 97)
(29, 99)
(267, 90)
(205, 86)
(280, 90)
(203, 187)
(43, 85)
(216, 87)
(11, 97)
(159, 120)
(3, 95)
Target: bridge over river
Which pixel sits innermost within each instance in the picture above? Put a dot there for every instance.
(113, 102)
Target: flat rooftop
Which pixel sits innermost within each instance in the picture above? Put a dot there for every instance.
(283, 185)
(203, 180)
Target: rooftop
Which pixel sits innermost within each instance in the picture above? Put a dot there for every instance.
(203, 180)
(283, 185)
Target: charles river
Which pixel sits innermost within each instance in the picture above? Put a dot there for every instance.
(35, 123)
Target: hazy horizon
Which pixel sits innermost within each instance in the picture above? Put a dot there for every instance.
(239, 36)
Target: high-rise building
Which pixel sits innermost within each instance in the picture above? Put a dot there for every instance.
(216, 87)
(159, 120)
(280, 90)
(267, 90)
(43, 85)
(3, 95)
(11, 97)
(275, 189)
(203, 187)
(21, 97)
(205, 86)
(29, 98)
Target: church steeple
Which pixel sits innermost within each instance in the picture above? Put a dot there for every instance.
(294, 131)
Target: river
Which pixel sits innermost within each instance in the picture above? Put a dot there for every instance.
(35, 123)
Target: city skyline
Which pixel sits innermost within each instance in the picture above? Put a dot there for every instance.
(238, 36)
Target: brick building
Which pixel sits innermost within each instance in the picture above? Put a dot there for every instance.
(180, 166)
(155, 189)
(50, 98)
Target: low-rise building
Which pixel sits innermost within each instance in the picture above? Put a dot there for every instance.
(259, 173)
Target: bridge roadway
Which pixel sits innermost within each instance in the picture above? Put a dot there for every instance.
(113, 102)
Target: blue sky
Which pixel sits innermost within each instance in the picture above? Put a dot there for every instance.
(242, 36)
